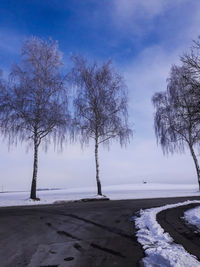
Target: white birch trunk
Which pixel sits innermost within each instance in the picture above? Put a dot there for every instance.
(35, 170)
(99, 192)
(196, 164)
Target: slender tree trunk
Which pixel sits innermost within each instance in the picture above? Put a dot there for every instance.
(196, 164)
(35, 170)
(97, 168)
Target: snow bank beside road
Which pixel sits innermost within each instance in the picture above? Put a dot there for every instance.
(159, 247)
(192, 216)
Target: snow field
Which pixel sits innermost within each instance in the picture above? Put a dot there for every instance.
(114, 192)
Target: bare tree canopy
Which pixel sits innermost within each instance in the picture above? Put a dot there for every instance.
(36, 98)
(175, 121)
(191, 61)
(3, 104)
(100, 105)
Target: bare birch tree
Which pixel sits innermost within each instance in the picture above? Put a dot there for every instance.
(175, 121)
(36, 99)
(100, 106)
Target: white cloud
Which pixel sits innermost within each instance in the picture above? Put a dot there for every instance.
(193, 31)
(138, 17)
(137, 9)
(130, 9)
(145, 75)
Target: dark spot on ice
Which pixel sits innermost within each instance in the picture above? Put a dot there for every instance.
(68, 259)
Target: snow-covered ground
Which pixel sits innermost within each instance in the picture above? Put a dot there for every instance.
(128, 191)
(192, 216)
(159, 247)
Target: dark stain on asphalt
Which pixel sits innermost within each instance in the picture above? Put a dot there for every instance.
(78, 247)
(113, 252)
(52, 252)
(67, 234)
(110, 229)
(69, 259)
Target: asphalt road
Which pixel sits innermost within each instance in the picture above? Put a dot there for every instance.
(89, 234)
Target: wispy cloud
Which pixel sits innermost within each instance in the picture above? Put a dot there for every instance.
(126, 10)
(166, 18)
(145, 75)
(134, 9)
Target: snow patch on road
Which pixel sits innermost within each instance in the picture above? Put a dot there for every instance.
(159, 247)
(192, 216)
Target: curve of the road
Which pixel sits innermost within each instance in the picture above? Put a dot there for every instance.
(172, 221)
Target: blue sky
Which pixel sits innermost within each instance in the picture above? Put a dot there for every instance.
(143, 39)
